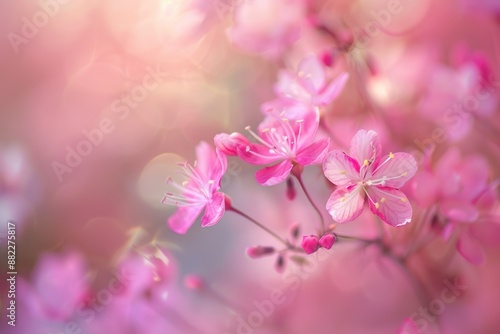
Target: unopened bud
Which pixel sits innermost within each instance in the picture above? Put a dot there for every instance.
(259, 251)
(327, 58)
(310, 243)
(295, 230)
(229, 143)
(327, 241)
(194, 282)
(280, 264)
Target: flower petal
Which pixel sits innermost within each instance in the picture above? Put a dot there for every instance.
(206, 159)
(220, 166)
(395, 170)
(487, 232)
(345, 205)
(288, 87)
(314, 153)
(214, 210)
(270, 176)
(291, 109)
(390, 205)
(183, 218)
(333, 90)
(458, 211)
(470, 249)
(425, 188)
(229, 143)
(306, 129)
(340, 168)
(365, 146)
(311, 69)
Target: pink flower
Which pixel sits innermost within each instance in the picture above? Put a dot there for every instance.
(300, 92)
(59, 286)
(267, 27)
(310, 243)
(364, 174)
(459, 186)
(200, 190)
(408, 327)
(290, 142)
(458, 95)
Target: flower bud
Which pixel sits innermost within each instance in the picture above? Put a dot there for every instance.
(259, 251)
(327, 241)
(310, 243)
(194, 282)
(229, 143)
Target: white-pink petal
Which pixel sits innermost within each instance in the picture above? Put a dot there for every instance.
(341, 169)
(332, 90)
(395, 170)
(390, 205)
(345, 205)
(365, 146)
(312, 69)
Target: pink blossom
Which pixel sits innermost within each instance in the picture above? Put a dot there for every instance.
(301, 91)
(289, 142)
(59, 286)
(364, 174)
(310, 243)
(459, 187)
(408, 327)
(457, 95)
(200, 190)
(267, 27)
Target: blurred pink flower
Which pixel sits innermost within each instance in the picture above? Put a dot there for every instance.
(301, 92)
(267, 27)
(19, 186)
(199, 191)
(459, 186)
(59, 286)
(290, 142)
(363, 174)
(457, 95)
(408, 327)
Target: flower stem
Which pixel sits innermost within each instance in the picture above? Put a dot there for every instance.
(255, 222)
(351, 238)
(309, 198)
